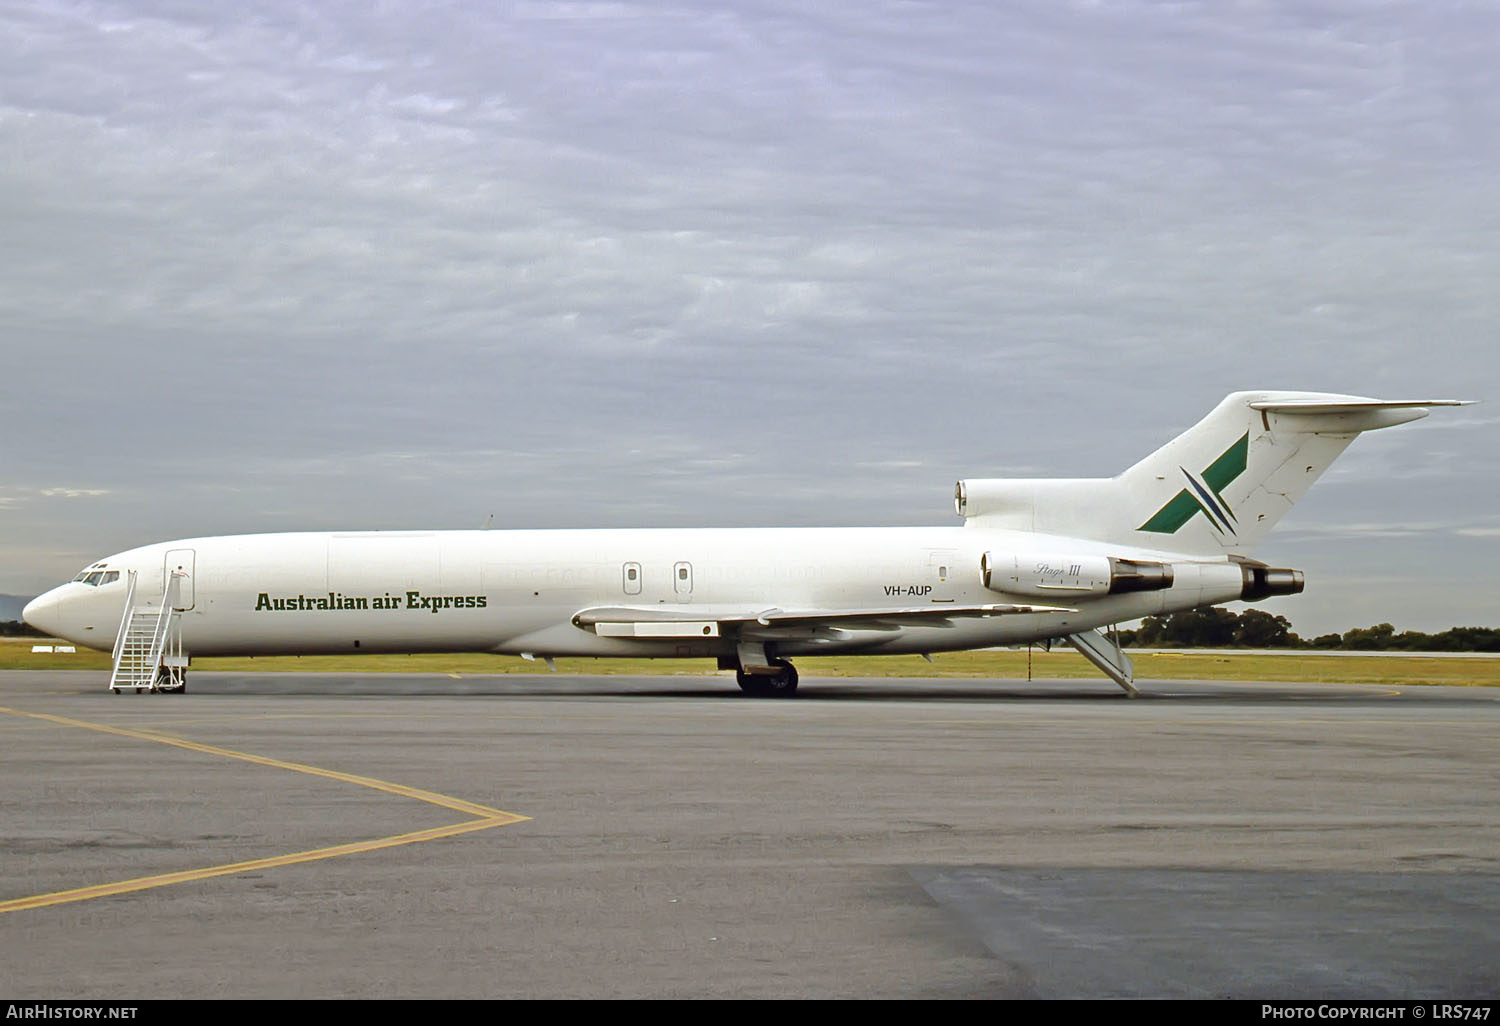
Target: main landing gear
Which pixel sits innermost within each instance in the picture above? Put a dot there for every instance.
(780, 683)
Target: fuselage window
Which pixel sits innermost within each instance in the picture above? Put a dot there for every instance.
(632, 579)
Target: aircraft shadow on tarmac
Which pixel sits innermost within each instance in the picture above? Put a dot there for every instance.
(814, 690)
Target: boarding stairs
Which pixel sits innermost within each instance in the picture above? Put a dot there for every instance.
(148, 647)
(1102, 648)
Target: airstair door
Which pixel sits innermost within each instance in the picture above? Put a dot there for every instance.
(180, 561)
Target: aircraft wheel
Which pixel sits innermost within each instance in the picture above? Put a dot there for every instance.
(164, 683)
(752, 683)
(782, 684)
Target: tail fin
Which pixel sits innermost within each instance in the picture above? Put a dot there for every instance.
(1216, 489)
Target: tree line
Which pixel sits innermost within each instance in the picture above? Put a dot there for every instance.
(1216, 627)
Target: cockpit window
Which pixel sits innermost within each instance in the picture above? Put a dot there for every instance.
(111, 577)
(93, 575)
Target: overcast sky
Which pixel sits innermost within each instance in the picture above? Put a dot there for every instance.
(275, 266)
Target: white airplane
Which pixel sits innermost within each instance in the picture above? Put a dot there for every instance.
(1035, 560)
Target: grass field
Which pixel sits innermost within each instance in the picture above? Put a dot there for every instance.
(16, 654)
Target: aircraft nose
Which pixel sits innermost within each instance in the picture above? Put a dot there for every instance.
(41, 612)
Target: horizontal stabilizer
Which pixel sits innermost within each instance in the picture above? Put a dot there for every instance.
(1333, 415)
(1350, 405)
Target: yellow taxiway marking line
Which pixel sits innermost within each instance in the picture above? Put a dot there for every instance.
(183, 876)
(486, 818)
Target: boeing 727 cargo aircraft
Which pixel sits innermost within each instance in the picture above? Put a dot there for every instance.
(1034, 560)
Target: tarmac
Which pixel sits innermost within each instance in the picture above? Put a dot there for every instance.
(405, 836)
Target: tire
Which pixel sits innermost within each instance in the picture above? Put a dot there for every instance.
(753, 683)
(782, 684)
(166, 675)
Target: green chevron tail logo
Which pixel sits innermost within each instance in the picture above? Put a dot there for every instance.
(1204, 494)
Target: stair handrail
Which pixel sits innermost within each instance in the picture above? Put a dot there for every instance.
(124, 617)
(164, 618)
(161, 629)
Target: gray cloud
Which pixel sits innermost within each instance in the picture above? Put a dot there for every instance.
(313, 265)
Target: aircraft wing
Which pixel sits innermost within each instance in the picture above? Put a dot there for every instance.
(710, 622)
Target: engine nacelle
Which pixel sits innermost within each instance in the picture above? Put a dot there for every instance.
(1076, 576)
(1264, 581)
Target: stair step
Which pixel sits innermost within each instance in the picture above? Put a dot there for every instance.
(149, 632)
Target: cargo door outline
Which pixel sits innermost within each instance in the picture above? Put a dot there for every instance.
(940, 573)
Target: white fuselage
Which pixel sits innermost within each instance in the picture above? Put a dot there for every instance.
(517, 591)
(1035, 559)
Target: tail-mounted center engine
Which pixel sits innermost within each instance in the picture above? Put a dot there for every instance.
(1072, 575)
(1262, 581)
